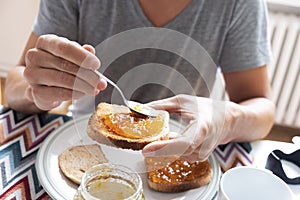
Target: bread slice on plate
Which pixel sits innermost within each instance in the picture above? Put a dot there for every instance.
(175, 174)
(74, 161)
(114, 125)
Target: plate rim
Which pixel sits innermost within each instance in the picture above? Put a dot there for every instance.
(40, 167)
(54, 193)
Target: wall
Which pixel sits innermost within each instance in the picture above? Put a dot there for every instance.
(16, 19)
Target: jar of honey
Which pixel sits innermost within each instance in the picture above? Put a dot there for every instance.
(109, 181)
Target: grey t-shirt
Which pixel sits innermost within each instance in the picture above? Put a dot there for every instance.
(152, 63)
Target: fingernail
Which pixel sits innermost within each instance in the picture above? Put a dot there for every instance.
(102, 84)
(95, 62)
(96, 91)
(56, 103)
(91, 62)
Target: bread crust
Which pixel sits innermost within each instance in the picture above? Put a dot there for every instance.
(74, 161)
(99, 132)
(155, 163)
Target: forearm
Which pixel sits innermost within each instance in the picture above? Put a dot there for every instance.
(250, 120)
(15, 92)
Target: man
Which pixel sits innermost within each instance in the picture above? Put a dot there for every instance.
(234, 34)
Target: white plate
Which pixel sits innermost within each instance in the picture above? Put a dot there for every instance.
(74, 133)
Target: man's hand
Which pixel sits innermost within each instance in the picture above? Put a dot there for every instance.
(209, 124)
(58, 69)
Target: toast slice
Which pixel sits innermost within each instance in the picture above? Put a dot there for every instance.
(134, 135)
(74, 161)
(175, 174)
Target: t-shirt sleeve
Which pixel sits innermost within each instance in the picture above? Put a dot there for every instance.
(247, 43)
(58, 17)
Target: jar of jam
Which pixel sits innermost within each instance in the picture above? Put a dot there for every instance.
(109, 181)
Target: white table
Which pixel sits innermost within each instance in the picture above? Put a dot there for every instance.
(261, 149)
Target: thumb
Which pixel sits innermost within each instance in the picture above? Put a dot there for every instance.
(169, 104)
(173, 147)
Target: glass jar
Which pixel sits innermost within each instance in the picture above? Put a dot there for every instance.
(109, 181)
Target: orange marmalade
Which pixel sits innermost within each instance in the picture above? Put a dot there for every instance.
(127, 125)
(179, 171)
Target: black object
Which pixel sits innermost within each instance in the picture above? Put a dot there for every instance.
(245, 145)
(274, 164)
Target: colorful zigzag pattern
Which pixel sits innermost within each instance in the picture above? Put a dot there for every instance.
(234, 154)
(20, 138)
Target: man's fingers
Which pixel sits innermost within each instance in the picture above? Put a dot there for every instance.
(47, 98)
(68, 50)
(59, 69)
(176, 148)
(102, 84)
(196, 156)
(176, 104)
(60, 79)
(169, 104)
(166, 148)
(187, 144)
(39, 58)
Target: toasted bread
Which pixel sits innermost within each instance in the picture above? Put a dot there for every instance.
(100, 132)
(174, 174)
(74, 161)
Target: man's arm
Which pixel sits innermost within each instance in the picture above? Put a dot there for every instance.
(252, 91)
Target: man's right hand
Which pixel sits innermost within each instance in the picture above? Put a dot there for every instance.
(58, 70)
